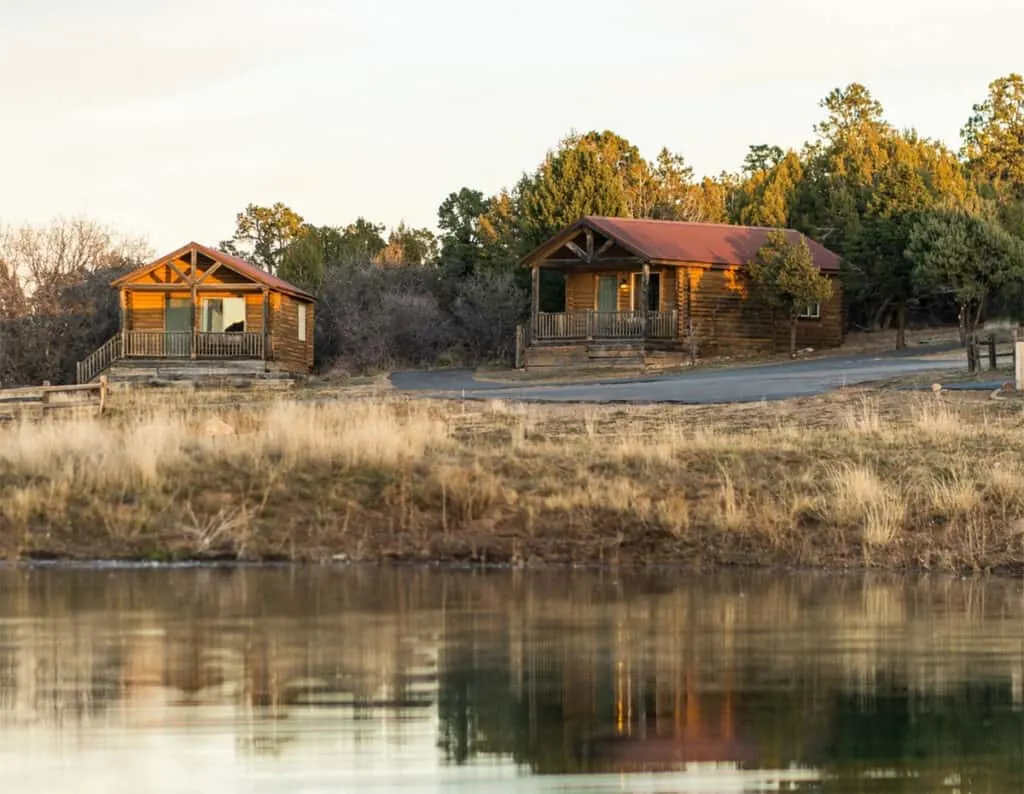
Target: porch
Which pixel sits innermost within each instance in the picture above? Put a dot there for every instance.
(174, 346)
(591, 324)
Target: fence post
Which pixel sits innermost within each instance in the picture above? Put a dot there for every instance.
(519, 347)
(993, 361)
(590, 324)
(1018, 360)
(103, 393)
(972, 354)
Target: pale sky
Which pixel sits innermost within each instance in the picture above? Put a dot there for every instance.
(164, 119)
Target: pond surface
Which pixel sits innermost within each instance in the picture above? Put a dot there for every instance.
(315, 680)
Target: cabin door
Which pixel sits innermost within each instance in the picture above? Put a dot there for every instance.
(178, 327)
(607, 294)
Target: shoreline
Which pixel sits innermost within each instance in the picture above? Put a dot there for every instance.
(859, 480)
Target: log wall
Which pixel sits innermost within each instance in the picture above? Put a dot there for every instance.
(290, 353)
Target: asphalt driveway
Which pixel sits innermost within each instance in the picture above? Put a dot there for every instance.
(739, 384)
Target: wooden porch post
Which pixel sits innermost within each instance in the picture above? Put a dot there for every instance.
(195, 325)
(124, 320)
(194, 283)
(534, 300)
(266, 325)
(645, 287)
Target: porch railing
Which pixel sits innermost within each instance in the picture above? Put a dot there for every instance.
(185, 344)
(99, 360)
(172, 344)
(606, 325)
(236, 345)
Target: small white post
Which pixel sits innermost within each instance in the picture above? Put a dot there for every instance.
(1018, 360)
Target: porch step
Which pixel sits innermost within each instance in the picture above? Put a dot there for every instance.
(142, 370)
(586, 355)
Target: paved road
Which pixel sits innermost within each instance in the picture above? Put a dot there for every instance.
(740, 384)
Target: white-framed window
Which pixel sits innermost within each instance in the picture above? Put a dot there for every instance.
(812, 311)
(302, 322)
(222, 315)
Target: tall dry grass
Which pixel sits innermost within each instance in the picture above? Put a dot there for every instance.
(887, 479)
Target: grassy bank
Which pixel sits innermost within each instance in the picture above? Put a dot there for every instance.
(857, 479)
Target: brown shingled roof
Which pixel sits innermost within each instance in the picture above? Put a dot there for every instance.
(240, 266)
(679, 241)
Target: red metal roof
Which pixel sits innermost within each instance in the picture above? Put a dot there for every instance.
(240, 266)
(678, 241)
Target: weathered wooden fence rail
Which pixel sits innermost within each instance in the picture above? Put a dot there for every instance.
(990, 348)
(46, 398)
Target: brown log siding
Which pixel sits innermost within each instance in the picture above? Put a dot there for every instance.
(718, 304)
(144, 311)
(290, 353)
(727, 319)
(580, 292)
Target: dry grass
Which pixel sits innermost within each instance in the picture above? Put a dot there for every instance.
(885, 479)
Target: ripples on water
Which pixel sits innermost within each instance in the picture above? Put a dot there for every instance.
(296, 680)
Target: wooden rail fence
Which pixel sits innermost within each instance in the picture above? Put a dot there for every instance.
(46, 398)
(990, 347)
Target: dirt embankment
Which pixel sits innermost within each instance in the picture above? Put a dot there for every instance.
(883, 479)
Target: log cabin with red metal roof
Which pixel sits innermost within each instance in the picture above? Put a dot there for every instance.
(197, 310)
(652, 292)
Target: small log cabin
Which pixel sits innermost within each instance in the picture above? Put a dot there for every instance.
(648, 291)
(198, 303)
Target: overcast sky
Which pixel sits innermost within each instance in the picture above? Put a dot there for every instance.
(163, 119)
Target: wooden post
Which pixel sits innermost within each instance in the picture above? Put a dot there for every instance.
(1018, 359)
(192, 266)
(971, 355)
(645, 287)
(124, 319)
(104, 385)
(266, 325)
(195, 324)
(534, 299)
(519, 347)
(993, 360)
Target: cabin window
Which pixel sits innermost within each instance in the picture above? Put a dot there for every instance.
(812, 311)
(223, 315)
(653, 292)
(302, 322)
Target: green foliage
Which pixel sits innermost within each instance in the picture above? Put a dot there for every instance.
(762, 157)
(459, 218)
(964, 256)
(993, 137)
(769, 194)
(784, 275)
(408, 246)
(262, 234)
(850, 111)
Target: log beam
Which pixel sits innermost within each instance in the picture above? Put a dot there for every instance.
(645, 290)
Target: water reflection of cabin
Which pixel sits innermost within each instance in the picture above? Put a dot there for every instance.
(200, 303)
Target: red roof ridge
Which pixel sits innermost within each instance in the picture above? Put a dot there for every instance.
(709, 224)
(685, 241)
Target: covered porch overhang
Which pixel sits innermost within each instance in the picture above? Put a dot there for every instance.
(619, 310)
(197, 308)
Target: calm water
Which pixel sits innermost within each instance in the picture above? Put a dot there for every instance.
(290, 680)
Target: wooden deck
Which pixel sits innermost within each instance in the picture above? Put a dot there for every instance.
(173, 345)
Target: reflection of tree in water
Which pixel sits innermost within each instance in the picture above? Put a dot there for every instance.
(844, 694)
(562, 673)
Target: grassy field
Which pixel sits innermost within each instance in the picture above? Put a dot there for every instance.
(860, 478)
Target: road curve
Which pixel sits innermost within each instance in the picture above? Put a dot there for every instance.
(739, 384)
